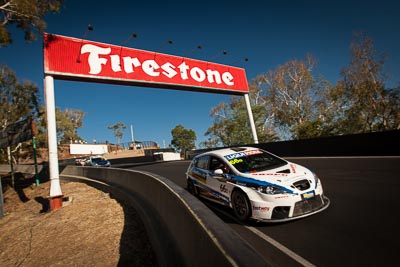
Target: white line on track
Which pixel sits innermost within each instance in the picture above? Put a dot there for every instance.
(279, 246)
(270, 240)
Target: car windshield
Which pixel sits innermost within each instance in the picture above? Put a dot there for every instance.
(97, 160)
(254, 161)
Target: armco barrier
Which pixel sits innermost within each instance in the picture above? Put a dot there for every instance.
(182, 230)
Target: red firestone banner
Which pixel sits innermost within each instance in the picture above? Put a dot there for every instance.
(76, 59)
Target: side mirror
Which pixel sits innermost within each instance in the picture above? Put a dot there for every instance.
(218, 171)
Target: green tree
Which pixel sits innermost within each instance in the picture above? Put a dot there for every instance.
(294, 98)
(18, 100)
(292, 103)
(118, 130)
(27, 15)
(67, 121)
(360, 99)
(183, 139)
(40, 124)
(287, 102)
(232, 126)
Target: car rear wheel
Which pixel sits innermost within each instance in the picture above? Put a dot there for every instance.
(241, 205)
(191, 188)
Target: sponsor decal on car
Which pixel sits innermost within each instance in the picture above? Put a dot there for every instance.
(242, 154)
(253, 152)
(234, 161)
(235, 156)
(308, 195)
(223, 188)
(261, 208)
(293, 168)
(284, 196)
(270, 174)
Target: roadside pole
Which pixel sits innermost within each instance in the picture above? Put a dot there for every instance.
(35, 160)
(253, 127)
(1, 201)
(34, 151)
(12, 168)
(55, 188)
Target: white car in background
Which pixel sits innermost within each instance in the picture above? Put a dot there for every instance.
(256, 184)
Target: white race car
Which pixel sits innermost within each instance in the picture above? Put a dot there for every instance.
(256, 184)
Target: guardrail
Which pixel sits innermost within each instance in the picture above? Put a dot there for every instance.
(181, 229)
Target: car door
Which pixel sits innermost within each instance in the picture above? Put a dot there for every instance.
(217, 180)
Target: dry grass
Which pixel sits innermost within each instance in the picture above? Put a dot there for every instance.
(93, 229)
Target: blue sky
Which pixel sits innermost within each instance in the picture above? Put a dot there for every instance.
(268, 33)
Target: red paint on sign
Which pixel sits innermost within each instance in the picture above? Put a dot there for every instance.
(76, 59)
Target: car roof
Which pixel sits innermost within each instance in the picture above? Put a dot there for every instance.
(227, 151)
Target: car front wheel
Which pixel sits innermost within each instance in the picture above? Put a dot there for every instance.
(241, 205)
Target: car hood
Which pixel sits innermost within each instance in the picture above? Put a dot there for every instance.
(287, 176)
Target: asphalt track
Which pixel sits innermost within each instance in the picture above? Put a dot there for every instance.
(360, 227)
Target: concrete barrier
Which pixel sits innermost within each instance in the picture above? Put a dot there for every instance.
(182, 230)
(366, 144)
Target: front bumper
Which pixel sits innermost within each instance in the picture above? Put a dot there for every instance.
(300, 209)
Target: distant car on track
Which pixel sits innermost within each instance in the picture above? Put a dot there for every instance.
(97, 161)
(256, 184)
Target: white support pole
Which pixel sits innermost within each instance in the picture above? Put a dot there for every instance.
(133, 138)
(55, 188)
(253, 126)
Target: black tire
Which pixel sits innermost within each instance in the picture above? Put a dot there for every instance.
(191, 188)
(241, 205)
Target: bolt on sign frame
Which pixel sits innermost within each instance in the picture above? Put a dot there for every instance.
(67, 58)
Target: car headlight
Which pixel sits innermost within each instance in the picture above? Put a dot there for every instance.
(316, 179)
(271, 190)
